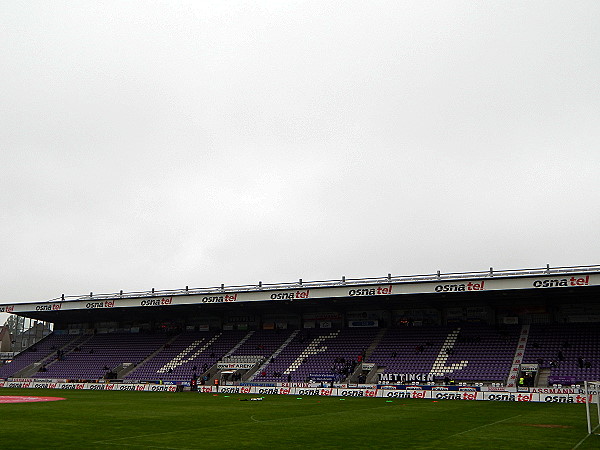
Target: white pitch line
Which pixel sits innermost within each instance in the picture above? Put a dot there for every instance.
(145, 446)
(113, 441)
(587, 436)
(483, 426)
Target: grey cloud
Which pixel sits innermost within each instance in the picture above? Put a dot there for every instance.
(190, 143)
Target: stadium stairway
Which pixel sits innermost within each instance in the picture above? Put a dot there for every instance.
(542, 378)
(353, 378)
(373, 375)
(518, 357)
(127, 370)
(253, 374)
(30, 370)
(466, 353)
(34, 353)
(236, 352)
(562, 348)
(71, 346)
(94, 357)
(375, 343)
(332, 352)
(33, 369)
(239, 344)
(215, 369)
(189, 352)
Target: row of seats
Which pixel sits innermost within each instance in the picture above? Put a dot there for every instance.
(469, 351)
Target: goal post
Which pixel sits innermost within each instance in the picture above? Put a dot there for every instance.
(592, 397)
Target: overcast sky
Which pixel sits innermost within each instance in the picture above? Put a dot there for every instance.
(163, 144)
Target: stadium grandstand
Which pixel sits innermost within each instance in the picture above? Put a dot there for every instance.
(532, 328)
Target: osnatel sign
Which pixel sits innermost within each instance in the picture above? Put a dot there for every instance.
(446, 287)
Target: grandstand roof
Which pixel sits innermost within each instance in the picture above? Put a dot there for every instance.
(383, 292)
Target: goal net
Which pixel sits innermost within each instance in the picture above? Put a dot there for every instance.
(592, 404)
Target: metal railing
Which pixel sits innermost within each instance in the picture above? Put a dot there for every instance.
(302, 284)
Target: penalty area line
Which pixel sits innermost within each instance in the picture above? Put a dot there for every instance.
(144, 446)
(255, 420)
(482, 426)
(113, 441)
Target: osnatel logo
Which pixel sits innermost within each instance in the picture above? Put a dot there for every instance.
(562, 282)
(291, 295)
(470, 286)
(381, 290)
(53, 307)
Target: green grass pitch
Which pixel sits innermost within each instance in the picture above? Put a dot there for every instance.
(101, 420)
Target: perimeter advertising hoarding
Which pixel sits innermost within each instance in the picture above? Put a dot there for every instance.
(325, 392)
(90, 386)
